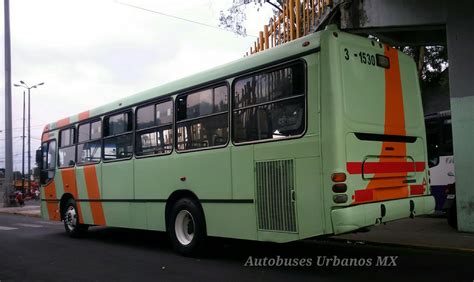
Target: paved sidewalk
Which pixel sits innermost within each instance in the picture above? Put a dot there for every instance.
(426, 232)
(28, 210)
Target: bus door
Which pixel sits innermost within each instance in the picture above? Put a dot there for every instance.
(88, 172)
(117, 168)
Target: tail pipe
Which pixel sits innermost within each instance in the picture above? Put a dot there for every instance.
(412, 209)
(383, 212)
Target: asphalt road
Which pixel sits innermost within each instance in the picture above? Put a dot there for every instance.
(35, 250)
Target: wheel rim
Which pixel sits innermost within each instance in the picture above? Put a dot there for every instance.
(184, 227)
(70, 218)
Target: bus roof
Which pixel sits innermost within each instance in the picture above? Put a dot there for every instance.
(272, 55)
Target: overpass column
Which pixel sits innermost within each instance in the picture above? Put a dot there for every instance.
(460, 35)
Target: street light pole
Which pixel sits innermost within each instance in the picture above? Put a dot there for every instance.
(23, 150)
(29, 142)
(24, 85)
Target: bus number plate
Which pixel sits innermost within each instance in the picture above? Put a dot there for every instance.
(363, 57)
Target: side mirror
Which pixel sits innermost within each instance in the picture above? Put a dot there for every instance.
(39, 158)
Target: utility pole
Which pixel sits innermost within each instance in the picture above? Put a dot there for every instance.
(23, 150)
(8, 108)
(29, 142)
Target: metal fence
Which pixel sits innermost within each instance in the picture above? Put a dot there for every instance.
(297, 18)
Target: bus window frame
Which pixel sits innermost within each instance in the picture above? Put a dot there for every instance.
(55, 165)
(135, 131)
(438, 123)
(269, 69)
(74, 143)
(90, 121)
(132, 132)
(190, 91)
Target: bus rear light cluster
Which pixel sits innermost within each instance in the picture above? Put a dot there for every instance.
(339, 199)
(338, 177)
(339, 188)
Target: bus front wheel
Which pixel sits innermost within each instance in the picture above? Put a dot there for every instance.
(71, 220)
(186, 227)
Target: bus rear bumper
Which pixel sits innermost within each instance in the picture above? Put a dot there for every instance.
(352, 218)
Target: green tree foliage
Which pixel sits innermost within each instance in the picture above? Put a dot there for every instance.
(431, 61)
(233, 18)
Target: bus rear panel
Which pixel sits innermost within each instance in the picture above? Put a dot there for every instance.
(378, 170)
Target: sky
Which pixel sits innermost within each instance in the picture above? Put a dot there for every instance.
(91, 52)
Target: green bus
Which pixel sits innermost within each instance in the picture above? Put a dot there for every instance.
(321, 135)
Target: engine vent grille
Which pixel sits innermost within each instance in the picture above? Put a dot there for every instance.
(275, 196)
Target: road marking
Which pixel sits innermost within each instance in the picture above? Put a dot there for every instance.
(51, 222)
(28, 225)
(7, 228)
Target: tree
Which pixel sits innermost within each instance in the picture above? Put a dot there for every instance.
(431, 62)
(234, 18)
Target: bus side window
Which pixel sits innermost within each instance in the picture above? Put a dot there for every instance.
(67, 148)
(270, 104)
(89, 144)
(154, 133)
(118, 136)
(202, 119)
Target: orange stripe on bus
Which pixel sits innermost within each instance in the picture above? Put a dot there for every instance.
(84, 115)
(45, 136)
(394, 109)
(52, 207)
(384, 185)
(92, 185)
(63, 122)
(70, 186)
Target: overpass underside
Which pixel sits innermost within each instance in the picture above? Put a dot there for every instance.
(432, 22)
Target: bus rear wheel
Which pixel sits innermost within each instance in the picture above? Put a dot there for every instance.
(186, 227)
(71, 220)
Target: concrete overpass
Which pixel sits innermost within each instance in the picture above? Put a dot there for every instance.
(432, 22)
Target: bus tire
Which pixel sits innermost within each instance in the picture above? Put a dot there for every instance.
(186, 227)
(71, 220)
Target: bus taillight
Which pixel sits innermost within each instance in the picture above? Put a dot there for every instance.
(339, 188)
(338, 177)
(340, 198)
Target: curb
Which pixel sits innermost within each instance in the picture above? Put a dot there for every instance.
(23, 213)
(26, 214)
(400, 245)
